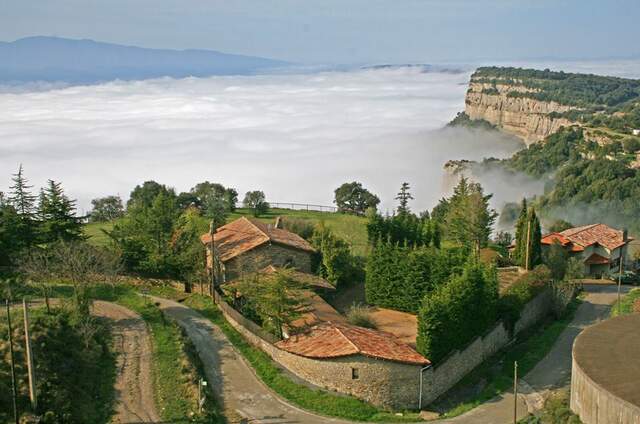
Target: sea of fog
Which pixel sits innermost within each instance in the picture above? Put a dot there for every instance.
(296, 137)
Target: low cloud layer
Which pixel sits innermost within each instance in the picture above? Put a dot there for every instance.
(297, 137)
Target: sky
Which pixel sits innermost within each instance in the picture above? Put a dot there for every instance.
(345, 31)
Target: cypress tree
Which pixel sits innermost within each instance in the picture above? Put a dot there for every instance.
(521, 235)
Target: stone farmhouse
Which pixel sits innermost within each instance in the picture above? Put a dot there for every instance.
(598, 246)
(246, 246)
(320, 347)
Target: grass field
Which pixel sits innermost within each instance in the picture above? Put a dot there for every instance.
(626, 303)
(349, 227)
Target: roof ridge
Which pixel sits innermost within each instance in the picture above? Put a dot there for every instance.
(339, 330)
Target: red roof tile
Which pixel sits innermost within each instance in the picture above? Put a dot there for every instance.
(564, 241)
(333, 340)
(303, 277)
(595, 233)
(245, 234)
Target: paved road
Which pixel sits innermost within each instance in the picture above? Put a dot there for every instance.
(134, 385)
(241, 393)
(553, 371)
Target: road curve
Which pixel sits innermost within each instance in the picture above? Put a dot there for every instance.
(134, 382)
(242, 394)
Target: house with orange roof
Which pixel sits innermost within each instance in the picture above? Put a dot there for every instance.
(598, 246)
(246, 246)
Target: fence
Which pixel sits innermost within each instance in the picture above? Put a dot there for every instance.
(301, 207)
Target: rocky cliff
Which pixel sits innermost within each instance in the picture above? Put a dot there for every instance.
(524, 117)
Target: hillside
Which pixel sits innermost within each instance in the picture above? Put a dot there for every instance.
(582, 139)
(534, 104)
(86, 61)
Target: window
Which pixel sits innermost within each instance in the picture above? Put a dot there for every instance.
(355, 374)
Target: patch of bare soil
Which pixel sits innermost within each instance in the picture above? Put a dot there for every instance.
(134, 383)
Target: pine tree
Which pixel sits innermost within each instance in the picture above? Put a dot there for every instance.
(23, 201)
(57, 215)
(535, 247)
(403, 197)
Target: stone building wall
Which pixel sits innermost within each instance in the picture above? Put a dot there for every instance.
(387, 384)
(263, 256)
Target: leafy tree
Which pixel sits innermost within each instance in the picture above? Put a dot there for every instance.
(188, 256)
(277, 298)
(57, 215)
(337, 264)
(143, 195)
(469, 218)
(555, 258)
(403, 197)
(106, 209)
(187, 200)
(458, 311)
(208, 190)
(215, 209)
(354, 198)
(560, 225)
(256, 201)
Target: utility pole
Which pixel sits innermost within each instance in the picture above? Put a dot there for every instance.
(213, 259)
(31, 370)
(13, 368)
(624, 239)
(515, 392)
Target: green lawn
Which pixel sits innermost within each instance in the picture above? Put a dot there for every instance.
(530, 348)
(626, 303)
(94, 231)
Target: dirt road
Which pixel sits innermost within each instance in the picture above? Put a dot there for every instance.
(134, 384)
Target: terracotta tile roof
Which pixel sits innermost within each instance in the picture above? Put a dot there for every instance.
(333, 340)
(564, 241)
(245, 234)
(596, 259)
(595, 233)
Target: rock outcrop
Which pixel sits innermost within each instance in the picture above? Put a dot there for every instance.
(524, 117)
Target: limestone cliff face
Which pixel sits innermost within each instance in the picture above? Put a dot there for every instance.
(523, 117)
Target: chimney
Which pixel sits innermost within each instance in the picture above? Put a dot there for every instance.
(278, 223)
(625, 235)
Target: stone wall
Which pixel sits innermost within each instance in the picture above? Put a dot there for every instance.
(265, 255)
(443, 376)
(383, 383)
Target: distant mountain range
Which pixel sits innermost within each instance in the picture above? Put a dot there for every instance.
(54, 59)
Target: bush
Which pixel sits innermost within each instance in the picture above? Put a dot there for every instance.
(399, 277)
(360, 315)
(522, 292)
(460, 310)
(302, 227)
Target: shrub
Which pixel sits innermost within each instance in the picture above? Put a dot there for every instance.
(360, 315)
(458, 311)
(302, 227)
(522, 292)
